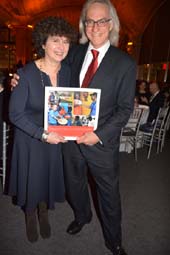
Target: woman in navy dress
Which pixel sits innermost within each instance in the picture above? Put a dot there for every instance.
(36, 178)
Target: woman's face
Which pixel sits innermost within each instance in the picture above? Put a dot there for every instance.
(142, 86)
(56, 48)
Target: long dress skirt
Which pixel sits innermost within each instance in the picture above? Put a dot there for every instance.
(36, 172)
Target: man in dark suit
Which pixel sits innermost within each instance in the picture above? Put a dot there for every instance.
(98, 151)
(156, 101)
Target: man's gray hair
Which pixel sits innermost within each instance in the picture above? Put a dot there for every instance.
(114, 33)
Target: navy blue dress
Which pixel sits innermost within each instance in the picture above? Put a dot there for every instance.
(37, 167)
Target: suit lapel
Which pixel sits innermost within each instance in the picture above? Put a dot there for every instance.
(101, 69)
(76, 66)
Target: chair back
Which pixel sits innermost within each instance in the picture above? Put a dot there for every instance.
(162, 117)
(167, 124)
(145, 114)
(134, 118)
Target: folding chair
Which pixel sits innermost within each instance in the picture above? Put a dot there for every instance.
(130, 132)
(150, 135)
(6, 135)
(161, 131)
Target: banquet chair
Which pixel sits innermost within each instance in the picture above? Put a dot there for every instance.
(151, 134)
(3, 160)
(168, 121)
(145, 113)
(130, 133)
(161, 132)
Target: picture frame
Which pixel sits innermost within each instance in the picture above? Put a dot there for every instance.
(71, 112)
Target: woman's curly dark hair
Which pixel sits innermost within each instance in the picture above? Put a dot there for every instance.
(51, 26)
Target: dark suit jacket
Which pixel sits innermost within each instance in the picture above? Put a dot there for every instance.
(116, 77)
(155, 105)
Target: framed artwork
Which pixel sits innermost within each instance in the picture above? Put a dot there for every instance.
(71, 112)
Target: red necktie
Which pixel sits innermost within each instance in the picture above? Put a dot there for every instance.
(91, 69)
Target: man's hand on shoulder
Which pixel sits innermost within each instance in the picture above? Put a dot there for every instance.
(14, 80)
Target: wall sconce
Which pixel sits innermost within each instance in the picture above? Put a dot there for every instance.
(30, 26)
(130, 43)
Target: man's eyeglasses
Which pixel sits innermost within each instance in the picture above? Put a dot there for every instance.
(99, 23)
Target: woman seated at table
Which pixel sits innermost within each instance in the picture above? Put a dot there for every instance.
(142, 94)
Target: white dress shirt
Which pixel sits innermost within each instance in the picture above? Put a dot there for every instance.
(89, 56)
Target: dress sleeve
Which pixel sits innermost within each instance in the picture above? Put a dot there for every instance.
(18, 108)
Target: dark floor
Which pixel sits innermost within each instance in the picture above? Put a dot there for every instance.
(145, 191)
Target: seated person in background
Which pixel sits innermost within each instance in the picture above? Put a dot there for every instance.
(166, 93)
(142, 93)
(156, 101)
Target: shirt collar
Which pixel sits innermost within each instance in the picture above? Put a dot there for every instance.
(102, 50)
(154, 95)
